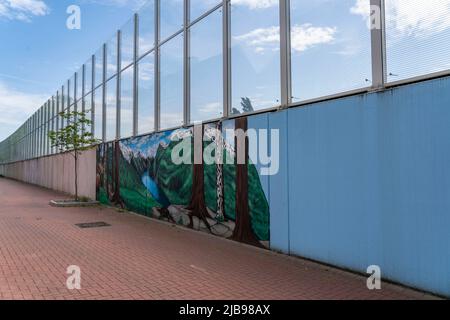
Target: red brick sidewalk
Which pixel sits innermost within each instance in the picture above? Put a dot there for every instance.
(137, 258)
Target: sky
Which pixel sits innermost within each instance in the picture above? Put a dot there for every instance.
(330, 52)
(39, 53)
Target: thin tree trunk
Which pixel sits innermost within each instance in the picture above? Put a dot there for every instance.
(76, 175)
(243, 231)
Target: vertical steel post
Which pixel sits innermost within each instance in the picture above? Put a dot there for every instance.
(378, 43)
(83, 103)
(226, 29)
(136, 75)
(93, 66)
(104, 93)
(285, 52)
(118, 84)
(62, 105)
(47, 139)
(54, 117)
(57, 114)
(69, 104)
(186, 65)
(157, 67)
(75, 94)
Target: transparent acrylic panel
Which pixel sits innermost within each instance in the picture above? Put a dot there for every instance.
(43, 114)
(146, 94)
(52, 122)
(49, 127)
(417, 37)
(62, 106)
(126, 103)
(111, 57)
(331, 47)
(207, 68)
(44, 131)
(48, 111)
(58, 109)
(99, 67)
(71, 91)
(39, 140)
(146, 27)
(111, 109)
(200, 7)
(172, 83)
(79, 87)
(88, 77)
(88, 111)
(127, 43)
(255, 32)
(53, 107)
(98, 100)
(171, 21)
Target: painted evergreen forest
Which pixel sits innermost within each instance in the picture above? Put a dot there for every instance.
(226, 200)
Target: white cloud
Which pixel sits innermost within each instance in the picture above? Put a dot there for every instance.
(146, 71)
(362, 8)
(16, 107)
(411, 17)
(23, 10)
(261, 39)
(137, 4)
(256, 4)
(145, 44)
(211, 108)
(306, 36)
(303, 37)
(112, 68)
(171, 120)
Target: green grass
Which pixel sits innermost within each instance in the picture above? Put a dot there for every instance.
(138, 201)
(102, 196)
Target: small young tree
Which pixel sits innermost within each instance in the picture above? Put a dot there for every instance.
(73, 138)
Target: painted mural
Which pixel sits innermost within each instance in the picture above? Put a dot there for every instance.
(226, 199)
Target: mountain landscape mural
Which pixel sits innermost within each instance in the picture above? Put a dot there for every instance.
(138, 175)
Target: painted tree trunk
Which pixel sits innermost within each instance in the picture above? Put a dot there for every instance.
(110, 172)
(243, 231)
(197, 205)
(116, 199)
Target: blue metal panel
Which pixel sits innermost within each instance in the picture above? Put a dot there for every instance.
(279, 198)
(369, 183)
(258, 123)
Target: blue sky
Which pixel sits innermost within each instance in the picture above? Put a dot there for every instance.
(330, 51)
(39, 53)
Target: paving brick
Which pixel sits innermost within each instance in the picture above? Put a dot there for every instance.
(137, 258)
